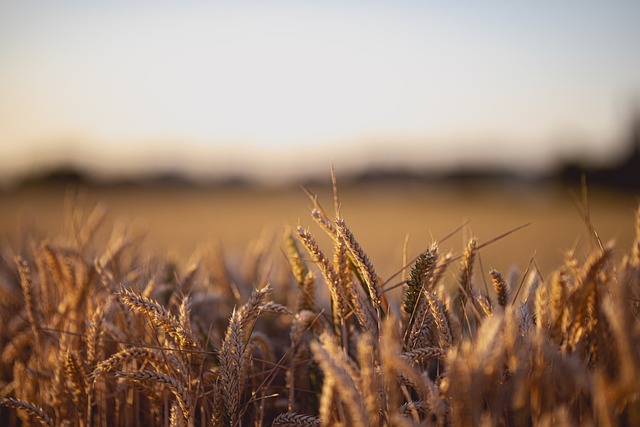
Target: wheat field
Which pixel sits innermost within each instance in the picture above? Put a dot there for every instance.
(210, 320)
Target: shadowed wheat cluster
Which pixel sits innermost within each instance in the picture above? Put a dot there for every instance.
(99, 333)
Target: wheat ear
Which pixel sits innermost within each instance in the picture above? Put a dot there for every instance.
(156, 358)
(231, 355)
(369, 388)
(233, 349)
(501, 287)
(75, 375)
(363, 263)
(160, 317)
(29, 408)
(304, 278)
(635, 250)
(16, 346)
(323, 221)
(436, 307)
(331, 278)
(94, 338)
(293, 419)
(344, 383)
(584, 297)
(466, 269)
(91, 225)
(541, 306)
(29, 300)
(415, 356)
(176, 387)
(298, 267)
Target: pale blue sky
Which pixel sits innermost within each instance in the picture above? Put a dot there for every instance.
(283, 88)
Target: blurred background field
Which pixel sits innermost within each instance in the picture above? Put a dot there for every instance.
(179, 222)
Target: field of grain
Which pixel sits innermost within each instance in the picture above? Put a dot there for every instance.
(176, 222)
(226, 307)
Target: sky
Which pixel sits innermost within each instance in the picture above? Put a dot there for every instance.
(280, 89)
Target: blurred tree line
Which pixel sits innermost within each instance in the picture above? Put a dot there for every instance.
(623, 174)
